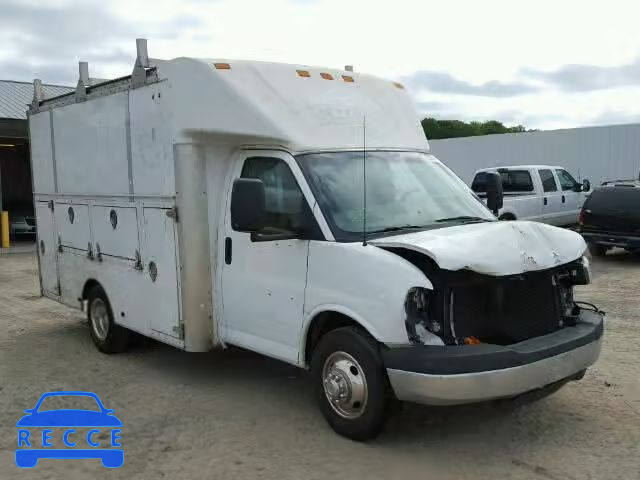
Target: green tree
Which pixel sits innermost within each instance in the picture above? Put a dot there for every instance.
(435, 129)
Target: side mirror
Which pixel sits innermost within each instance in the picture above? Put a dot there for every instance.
(247, 205)
(586, 185)
(495, 193)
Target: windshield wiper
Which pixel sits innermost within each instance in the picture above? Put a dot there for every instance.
(397, 228)
(463, 219)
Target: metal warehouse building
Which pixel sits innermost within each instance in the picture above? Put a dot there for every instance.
(596, 153)
(16, 195)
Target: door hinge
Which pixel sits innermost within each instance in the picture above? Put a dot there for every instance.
(179, 330)
(138, 265)
(51, 205)
(173, 213)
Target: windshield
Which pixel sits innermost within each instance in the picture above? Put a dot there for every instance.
(405, 191)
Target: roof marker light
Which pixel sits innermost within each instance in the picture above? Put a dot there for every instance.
(347, 78)
(326, 76)
(222, 66)
(303, 73)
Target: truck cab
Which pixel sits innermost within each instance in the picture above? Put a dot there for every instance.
(297, 212)
(542, 193)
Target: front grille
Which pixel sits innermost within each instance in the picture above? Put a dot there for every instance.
(506, 310)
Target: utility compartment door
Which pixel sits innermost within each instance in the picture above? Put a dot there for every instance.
(161, 295)
(115, 230)
(47, 249)
(72, 222)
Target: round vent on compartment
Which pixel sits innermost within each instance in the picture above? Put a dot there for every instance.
(113, 218)
(153, 271)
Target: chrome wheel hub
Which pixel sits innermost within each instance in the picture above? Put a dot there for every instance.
(99, 318)
(345, 385)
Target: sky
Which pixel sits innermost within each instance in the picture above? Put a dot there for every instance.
(543, 64)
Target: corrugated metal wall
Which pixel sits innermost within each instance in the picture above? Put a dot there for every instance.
(596, 153)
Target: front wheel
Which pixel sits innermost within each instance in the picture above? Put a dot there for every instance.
(350, 383)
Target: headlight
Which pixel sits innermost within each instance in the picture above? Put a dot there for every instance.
(422, 326)
(580, 271)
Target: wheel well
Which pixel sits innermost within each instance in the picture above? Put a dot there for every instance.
(507, 216)
(322, 324)
(88, 286)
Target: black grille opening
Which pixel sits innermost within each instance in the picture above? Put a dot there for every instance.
(506, 310)
(499, 310)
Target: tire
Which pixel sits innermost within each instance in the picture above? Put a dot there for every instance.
(597, 250)
(106, 335)
(507, 217)
(348, 356)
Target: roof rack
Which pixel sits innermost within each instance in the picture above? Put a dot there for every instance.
(144, 73)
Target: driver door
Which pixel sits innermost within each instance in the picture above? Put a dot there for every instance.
(572, 196)
(264, 274)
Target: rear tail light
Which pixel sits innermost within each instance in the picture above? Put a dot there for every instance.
(581, 217)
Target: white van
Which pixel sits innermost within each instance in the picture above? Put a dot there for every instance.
(207, 203)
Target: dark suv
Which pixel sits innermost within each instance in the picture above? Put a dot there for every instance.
(610, 217)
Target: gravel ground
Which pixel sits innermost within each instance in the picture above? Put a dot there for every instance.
(238, 415)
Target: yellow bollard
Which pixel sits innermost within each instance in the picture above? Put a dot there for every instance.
(4, 229)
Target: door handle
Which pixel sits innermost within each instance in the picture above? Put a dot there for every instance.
(227, 250)
(563, 199)
(545, 200)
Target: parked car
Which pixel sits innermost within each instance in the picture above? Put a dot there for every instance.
(22, 220)
(610, 217)
(542, 193)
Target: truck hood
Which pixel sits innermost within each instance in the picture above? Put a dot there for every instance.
(493, 248)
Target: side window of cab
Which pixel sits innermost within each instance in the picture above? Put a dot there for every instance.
(284, 202)
(567, 182)
(548, 181)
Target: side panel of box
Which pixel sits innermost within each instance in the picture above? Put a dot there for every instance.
(152, 165)
(90, 141)
(42, 161)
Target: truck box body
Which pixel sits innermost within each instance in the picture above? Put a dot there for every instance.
(132, 176)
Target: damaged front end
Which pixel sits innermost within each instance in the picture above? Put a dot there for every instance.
(467, 307)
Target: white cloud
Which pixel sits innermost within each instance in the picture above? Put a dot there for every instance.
(484, 47)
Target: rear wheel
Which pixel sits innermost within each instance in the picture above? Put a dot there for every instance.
(350, 383)
(597, 250)
(507, 217)
(106, 335)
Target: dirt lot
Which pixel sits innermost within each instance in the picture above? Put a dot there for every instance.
(238, 415)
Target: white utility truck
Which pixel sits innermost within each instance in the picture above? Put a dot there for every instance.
(207, 203)
(542, 193)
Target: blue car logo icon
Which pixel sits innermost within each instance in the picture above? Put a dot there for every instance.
(98, 421)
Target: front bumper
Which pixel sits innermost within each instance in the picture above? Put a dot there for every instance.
(612, 240)
(450, 375)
